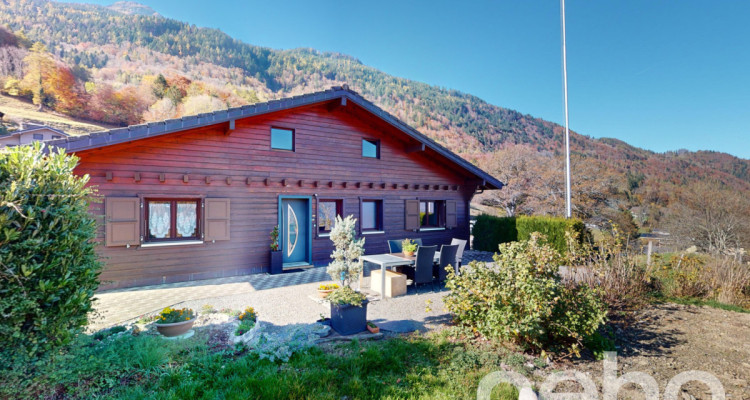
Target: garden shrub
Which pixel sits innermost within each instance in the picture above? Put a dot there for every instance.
(612, 268)
(490, 231)
(723, 279)
(48, 266)
(522, 299)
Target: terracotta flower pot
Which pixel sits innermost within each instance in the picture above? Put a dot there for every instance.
(373, 330)
(324, 293)
(175, 328)
(409, 253)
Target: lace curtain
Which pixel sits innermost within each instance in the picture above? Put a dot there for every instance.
(158, 219)
(187, 219)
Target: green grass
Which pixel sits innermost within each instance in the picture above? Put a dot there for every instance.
(418, 366)
(701, 302)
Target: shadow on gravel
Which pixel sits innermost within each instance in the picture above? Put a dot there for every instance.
(645, 335)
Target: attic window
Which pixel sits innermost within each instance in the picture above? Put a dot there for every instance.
(282, 139)
(370, 148)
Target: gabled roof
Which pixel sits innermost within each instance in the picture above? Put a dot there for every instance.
(153, 129)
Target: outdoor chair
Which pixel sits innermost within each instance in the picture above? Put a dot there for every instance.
(395, 246)
(460, 253)
(418, 242)
(447, 257)
(422, 272)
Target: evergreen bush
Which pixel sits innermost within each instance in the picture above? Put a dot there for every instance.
(490, 231)
(48, 265)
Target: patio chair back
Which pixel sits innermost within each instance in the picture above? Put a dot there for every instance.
(418, 242)
(460, 253)
(395, 246)
(424, 263)
(447, 257)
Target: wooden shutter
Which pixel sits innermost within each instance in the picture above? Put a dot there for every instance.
(122, 221)
(411, 215)
(216, 217)
(451, 214)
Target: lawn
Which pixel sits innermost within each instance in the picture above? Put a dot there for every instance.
(124, 366)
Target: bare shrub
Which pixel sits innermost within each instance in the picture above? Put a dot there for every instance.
(611, 267)
(729, 280)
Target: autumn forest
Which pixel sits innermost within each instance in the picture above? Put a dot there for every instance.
(119, 67)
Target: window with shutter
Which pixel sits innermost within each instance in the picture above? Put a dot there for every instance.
(122, 221)
(451, 214)
(411, 215)
(216, 219)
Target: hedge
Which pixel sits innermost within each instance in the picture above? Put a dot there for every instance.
(490, 231)
(49, 265)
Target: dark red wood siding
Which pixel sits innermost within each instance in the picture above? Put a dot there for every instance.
(328, 149)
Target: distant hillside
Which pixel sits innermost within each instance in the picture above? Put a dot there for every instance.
(128, 45)
(132, 8)
(18, 112)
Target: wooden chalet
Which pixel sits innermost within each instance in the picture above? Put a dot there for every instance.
(196, 197)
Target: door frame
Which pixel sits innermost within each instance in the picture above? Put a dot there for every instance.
(280, 222)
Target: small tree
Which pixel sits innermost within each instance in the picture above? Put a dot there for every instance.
(48, 267)
(345, 265)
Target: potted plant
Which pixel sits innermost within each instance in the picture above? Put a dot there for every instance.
(173, 322)
(372, 327)
(348, 311)
(323, 320)
(247, 318)
(409, 247)
(276, 256)
(348, 307)
(324, 289)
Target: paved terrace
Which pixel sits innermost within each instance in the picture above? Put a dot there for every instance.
(281, 299)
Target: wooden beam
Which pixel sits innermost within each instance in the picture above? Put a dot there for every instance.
(229, 180)
(108, 175)
(284, 182)
(415, 148)
(336, 104)
(249, 180)
(208, 179)
(162, 178)
(137, 177)
(185, 178)
(300, 183)
(230, 127)
(266, 182)
(330, 184)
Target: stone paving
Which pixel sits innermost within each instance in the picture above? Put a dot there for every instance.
(281, 299)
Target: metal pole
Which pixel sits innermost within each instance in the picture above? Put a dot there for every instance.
(567, 131)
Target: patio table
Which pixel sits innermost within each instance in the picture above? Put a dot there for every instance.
(391, 260)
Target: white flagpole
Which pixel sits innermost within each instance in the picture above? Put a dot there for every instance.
(567, 131)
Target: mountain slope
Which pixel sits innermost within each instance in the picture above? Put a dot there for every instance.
(126, 43)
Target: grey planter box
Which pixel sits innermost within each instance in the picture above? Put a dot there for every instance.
(347, 319)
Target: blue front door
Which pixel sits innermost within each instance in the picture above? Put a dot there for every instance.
(295, 230)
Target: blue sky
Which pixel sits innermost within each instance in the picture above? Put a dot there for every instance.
(661, 75)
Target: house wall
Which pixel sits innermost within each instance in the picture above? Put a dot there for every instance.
(28, 137)
(328, 148)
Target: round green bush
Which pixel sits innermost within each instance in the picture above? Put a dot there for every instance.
(48, 266)
(522, 299)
